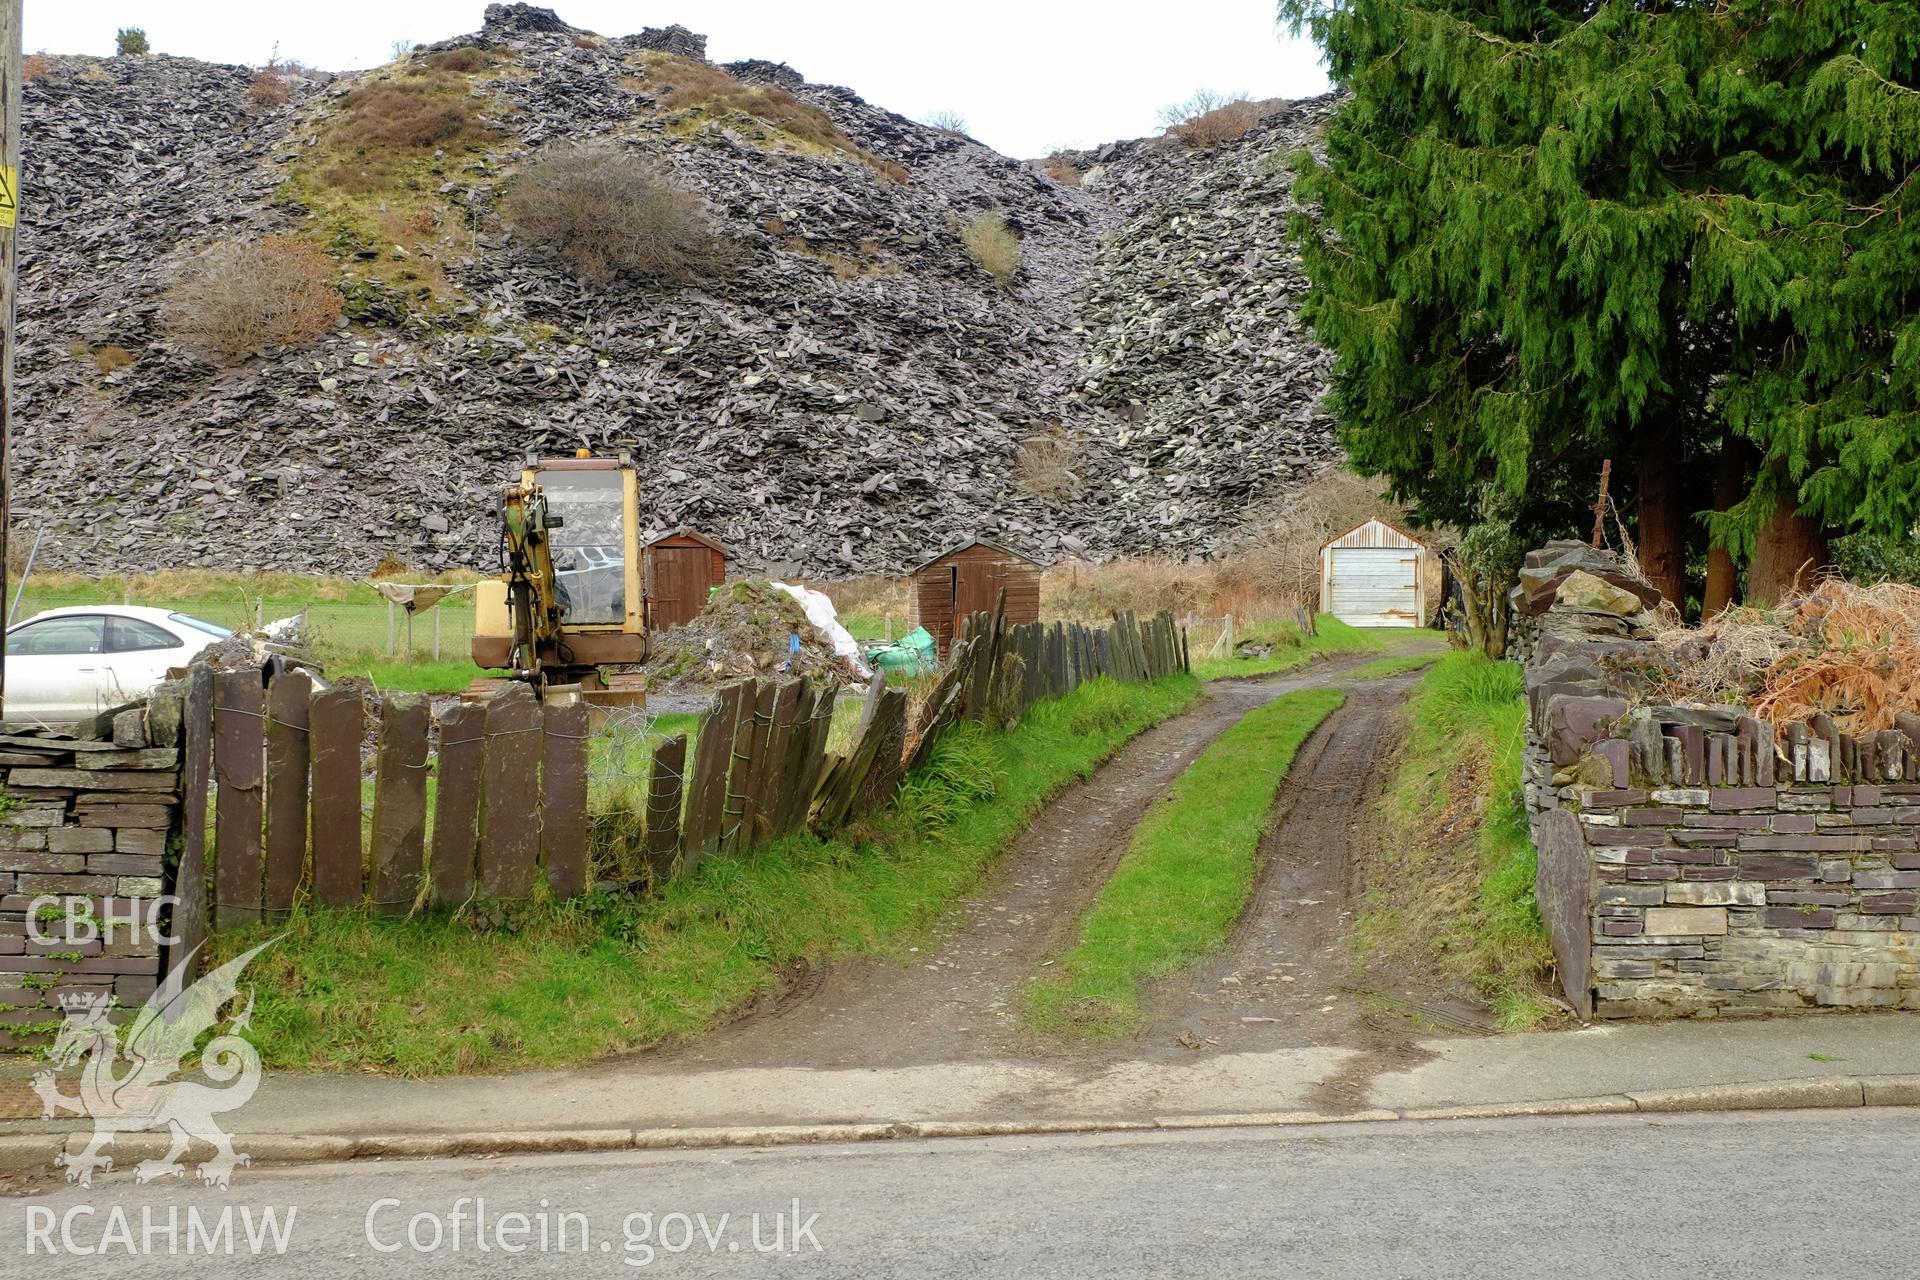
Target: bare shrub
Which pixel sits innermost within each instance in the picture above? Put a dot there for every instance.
(1222, 124)
(948, 122)
(1048, 466)
(1062, 170)
(463, 60)
(606, 210)
(269, 89)
(993, 245)
(1210, 117)
(239, 296)
(111, 357)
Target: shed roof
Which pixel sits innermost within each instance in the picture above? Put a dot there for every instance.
(696, 535)
(977, 542)
(1375, 533)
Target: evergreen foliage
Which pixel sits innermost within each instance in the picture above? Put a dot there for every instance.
(1552, 229)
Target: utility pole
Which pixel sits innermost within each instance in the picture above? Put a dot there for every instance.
(9, 273)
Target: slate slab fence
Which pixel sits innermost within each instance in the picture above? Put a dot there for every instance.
(289, 819)
(509, 802)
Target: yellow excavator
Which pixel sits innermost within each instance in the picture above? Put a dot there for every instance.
(570, 603)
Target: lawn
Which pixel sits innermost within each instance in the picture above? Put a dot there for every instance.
(1453, 888)
(554, 984)
(1185, 877)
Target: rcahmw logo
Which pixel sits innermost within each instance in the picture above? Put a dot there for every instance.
(87, 1232)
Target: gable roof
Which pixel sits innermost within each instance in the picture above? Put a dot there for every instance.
(1398, 537)
(977, 542)
(695, 534)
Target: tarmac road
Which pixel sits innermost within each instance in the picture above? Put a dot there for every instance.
(1823, 1194)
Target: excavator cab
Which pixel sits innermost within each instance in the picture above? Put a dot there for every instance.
(570, 600)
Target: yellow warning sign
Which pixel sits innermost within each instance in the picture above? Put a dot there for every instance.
(9, 195)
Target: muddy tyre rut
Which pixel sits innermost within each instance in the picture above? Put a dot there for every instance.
(1287, 977)
(958, 997)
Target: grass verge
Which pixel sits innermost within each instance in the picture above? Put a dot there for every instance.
(554, 984)
(1185, 877)
(1452, 891)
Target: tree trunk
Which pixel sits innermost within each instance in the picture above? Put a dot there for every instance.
(1788, 555)
(1662, 511)
(1729, 486)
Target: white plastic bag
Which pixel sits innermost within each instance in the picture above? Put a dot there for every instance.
(820, 613)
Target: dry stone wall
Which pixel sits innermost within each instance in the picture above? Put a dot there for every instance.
(1694, 861)
(83, 862)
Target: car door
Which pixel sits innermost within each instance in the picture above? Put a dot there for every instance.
(56, 671)
(139, 655)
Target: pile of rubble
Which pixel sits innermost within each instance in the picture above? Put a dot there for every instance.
(1205, 386)
(749, 628)
(857, 393)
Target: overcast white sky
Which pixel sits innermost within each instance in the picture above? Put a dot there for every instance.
(1028, 75)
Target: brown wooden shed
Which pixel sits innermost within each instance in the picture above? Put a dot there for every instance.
(969, 578)
(681, 568)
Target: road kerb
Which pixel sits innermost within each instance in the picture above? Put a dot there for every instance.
(1272, 1119)
(1891, 1091)
(1756, 1095)
(23, 1152)
(1603, 1105)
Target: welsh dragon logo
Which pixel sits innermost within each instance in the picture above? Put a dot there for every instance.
(145, 1095)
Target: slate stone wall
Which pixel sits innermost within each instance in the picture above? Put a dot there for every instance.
(1692, 859)
(84, 840)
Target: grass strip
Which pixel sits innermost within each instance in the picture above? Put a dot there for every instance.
(1185, 878)
(1452, 891)
(552, 984)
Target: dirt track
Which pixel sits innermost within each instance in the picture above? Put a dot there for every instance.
(960, 1001)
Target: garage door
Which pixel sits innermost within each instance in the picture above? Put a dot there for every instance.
(1374, 586)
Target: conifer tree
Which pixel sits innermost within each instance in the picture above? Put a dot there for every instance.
(1556, 232)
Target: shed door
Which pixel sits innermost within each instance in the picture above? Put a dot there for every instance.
(976, 588)
(1374, 586)
(680, 582)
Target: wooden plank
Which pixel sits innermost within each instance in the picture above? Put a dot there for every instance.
(778, 700)
(790, 751)
(190, 914)
(756, 711)
(665, 782)
(456, 809)
(239, 769)
(883, 773)
(510, 804)
(287, 766)
(336, 724)
(708, 782)
(400, 804)
(563, 799)
(814, 759)
(837, 805)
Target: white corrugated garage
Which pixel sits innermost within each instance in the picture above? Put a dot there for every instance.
(1374, 576)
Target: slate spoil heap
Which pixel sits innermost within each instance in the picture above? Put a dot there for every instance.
(857, 392)
(746, 630)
